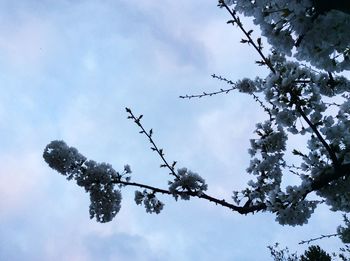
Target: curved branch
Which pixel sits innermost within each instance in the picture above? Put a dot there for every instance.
(221, 202)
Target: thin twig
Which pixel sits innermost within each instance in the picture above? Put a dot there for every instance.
(225, 91)
(317, 238)
(242, 210)
(154, 146)
(247, 34)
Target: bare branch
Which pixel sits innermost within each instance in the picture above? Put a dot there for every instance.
(317, 238)
(257, 46)
(242, 210)
(154, 146)
(221, 91)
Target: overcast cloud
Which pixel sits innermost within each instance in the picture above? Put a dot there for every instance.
(67, 70)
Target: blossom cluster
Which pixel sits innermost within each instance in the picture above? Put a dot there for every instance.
(267, 157)
(150, 201)
(96, 178)
(296, 97)
(187, 182)
(299, 100)
(320, 37)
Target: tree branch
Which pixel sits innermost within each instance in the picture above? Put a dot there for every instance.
(154, 146)
(320, 138)
(221, 202)
(327, 177)
(317, 238)
(247, 34)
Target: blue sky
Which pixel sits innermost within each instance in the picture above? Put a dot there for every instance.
(67, 70)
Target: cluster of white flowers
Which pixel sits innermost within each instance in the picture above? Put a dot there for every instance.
(297, 214)
(187, 181)
(96, 178)
(337, 194)
(105, 202)
(66, 160)
(150, 201)
(246, 85)
(289, 206)
(295, 101)
(321, 38)
(291, 91)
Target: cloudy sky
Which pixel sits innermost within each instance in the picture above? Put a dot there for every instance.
(67, 71)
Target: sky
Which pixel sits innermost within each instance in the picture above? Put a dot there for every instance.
(68, 69)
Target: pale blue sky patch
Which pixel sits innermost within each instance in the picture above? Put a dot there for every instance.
(67, 70)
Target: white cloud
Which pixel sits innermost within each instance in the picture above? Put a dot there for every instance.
(23, 181)
(27, 41)
(90, 62)
(140, 56)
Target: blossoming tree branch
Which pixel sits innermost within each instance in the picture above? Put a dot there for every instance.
(304, 93)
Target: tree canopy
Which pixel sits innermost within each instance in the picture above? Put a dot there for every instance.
(305, 93)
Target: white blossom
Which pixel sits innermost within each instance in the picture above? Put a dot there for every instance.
(66, 160)
(96, 178)
(297, 214)
(150, 201)
(314, 36)
(187, 181)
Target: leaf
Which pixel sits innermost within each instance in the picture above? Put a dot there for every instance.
(250, 32)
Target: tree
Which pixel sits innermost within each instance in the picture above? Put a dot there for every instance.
(304, 93)
(313, 253)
